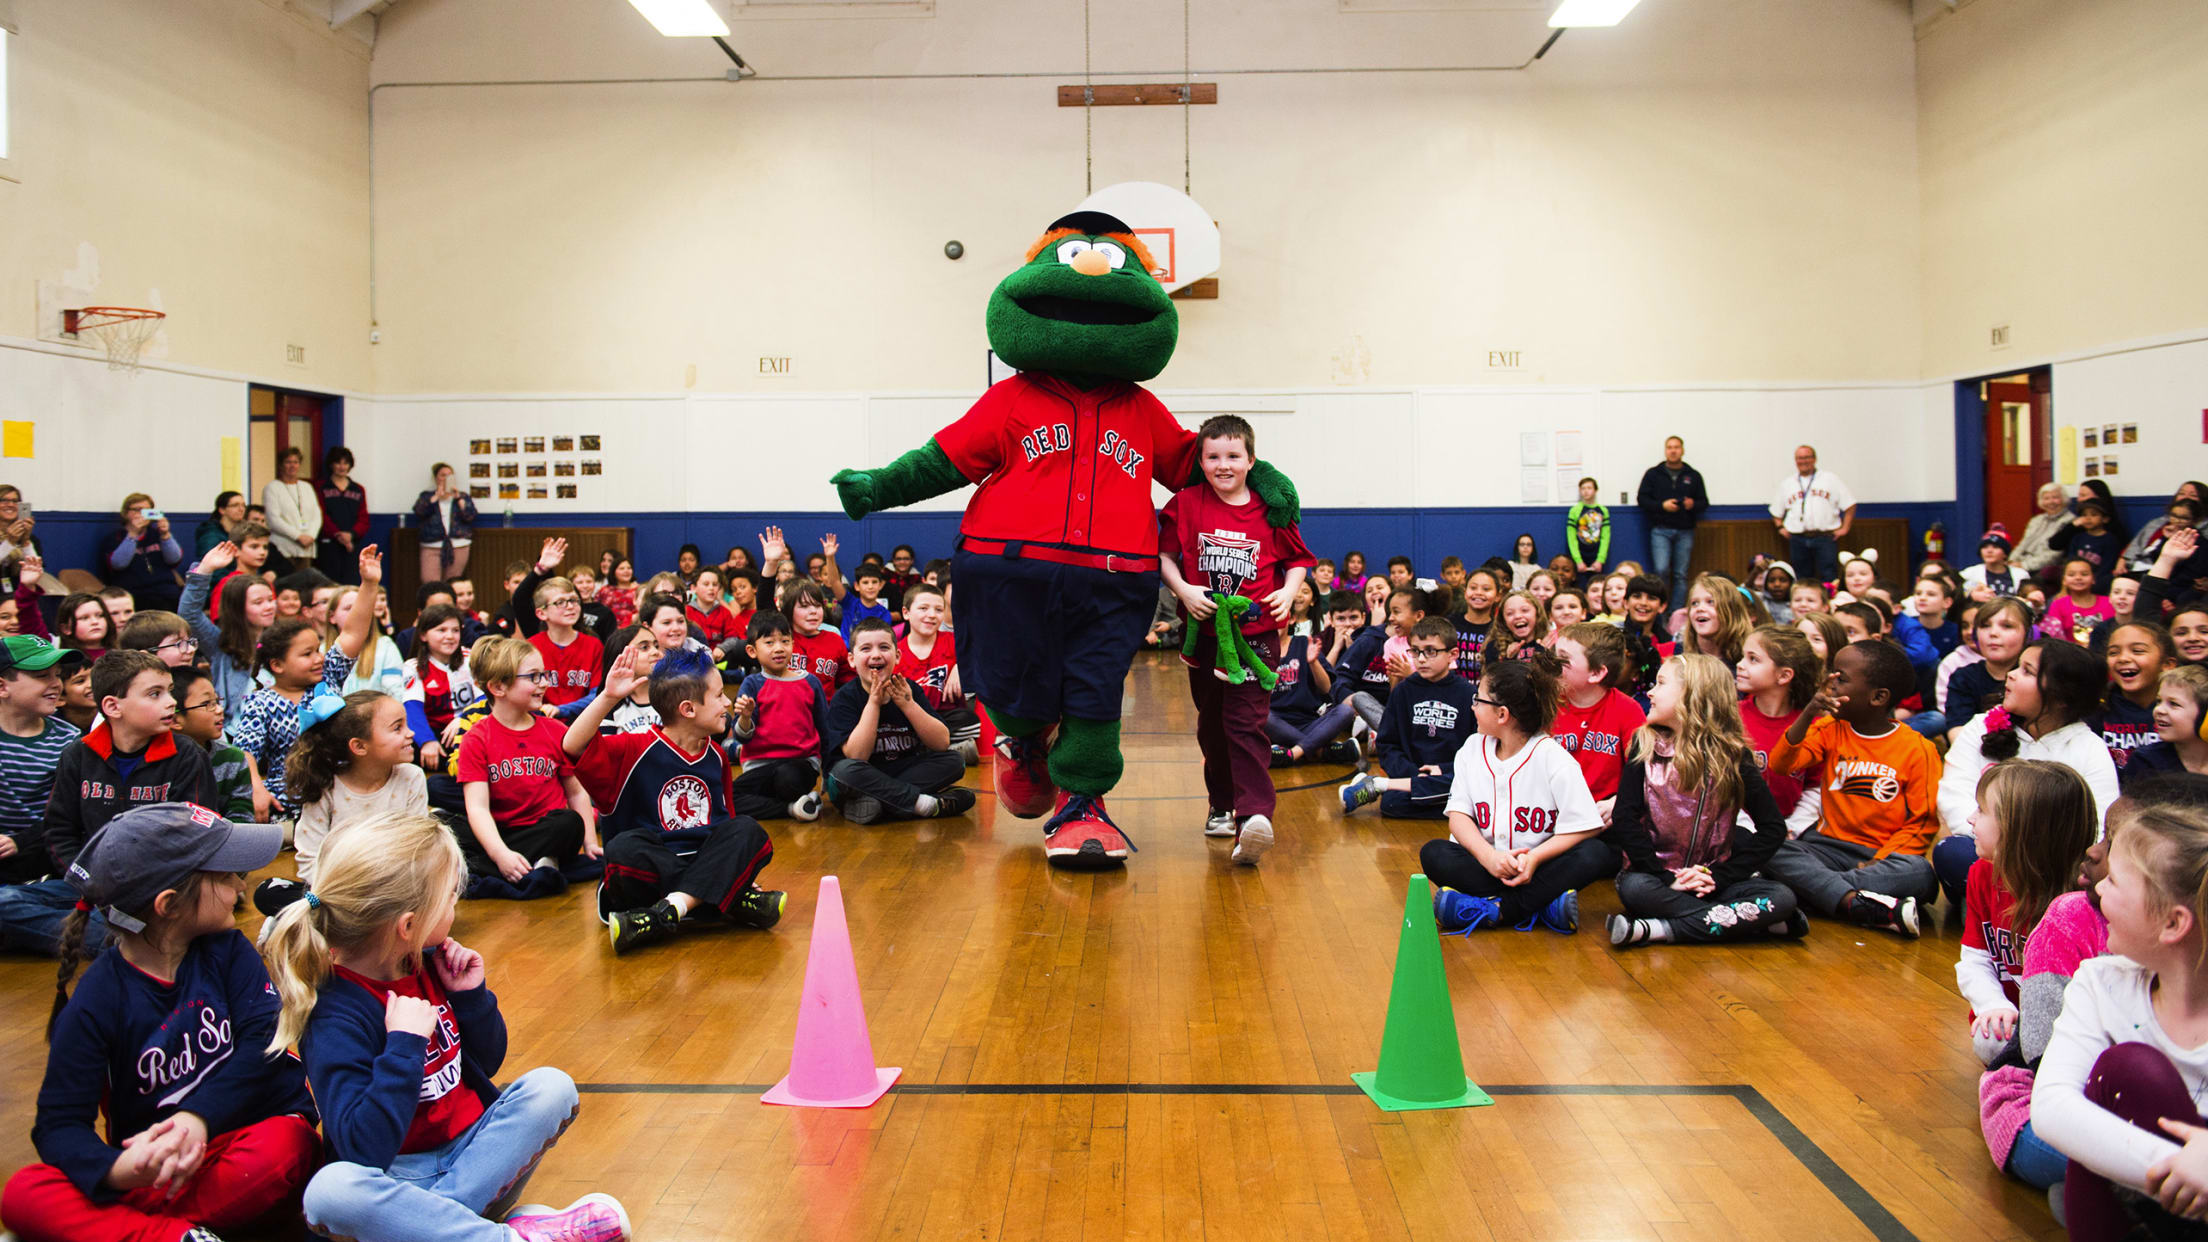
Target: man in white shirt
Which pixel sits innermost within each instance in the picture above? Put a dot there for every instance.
(1814, 510)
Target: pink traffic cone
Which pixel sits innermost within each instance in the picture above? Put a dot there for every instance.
(832, 1060)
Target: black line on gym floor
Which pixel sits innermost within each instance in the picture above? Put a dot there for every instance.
(1851, 1194)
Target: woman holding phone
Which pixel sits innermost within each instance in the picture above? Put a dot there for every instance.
(143, 555)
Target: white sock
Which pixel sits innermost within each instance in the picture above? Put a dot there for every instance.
(547, 861)
(683, 903)
(1656, 930)
(926, 804)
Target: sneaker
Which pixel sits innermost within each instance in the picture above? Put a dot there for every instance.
(1024, 786)
(758, 907)
(969, 750)
(1358, 792)
(592, 1218)
(1562, 915)
(1280, 758)
(1795, 927)
(807, 807)
(1082, 836)
(633, 929)
(1255, 838)
(957, 800)
(1341, 750)
(1360, 740)
(275, 893)
(1462, 913)
(1894, 914)
(197, 1233)
(1219, 824)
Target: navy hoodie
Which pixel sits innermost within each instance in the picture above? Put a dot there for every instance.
(138, 1050)
(1362, 666)
(1296, 697)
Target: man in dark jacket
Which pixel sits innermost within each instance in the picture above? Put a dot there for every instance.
(1672, 499)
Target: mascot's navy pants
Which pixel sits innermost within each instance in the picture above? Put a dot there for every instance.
(1045, 641)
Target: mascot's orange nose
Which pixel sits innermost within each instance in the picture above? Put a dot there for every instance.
(1091, 263)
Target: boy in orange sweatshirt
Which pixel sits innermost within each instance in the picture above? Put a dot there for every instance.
(1865, 861)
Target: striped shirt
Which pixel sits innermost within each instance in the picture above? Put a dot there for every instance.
(27, 774)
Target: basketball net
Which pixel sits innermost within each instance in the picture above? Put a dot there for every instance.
(122, 331)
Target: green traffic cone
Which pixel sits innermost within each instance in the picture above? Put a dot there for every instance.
(1421, 1065)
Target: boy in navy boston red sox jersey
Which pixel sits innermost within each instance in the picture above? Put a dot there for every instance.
(1057, 562)
(673, 849)
(1427, 722)
(1216, 538)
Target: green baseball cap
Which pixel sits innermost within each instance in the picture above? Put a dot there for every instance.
(33, 654)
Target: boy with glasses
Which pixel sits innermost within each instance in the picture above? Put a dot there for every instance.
(528, 815)
(164, 634)
(199, 717)
(1427, 721)
(555, 629)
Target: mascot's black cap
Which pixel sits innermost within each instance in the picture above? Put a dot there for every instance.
(1090, 222)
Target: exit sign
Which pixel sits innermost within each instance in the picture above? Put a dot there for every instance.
(1506, 360)
(774, 366)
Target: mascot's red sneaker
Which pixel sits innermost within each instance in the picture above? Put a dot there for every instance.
(1081, 837)
(1024, 787)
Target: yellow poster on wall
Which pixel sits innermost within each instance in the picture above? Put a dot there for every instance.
(16, 438)
(2066, 456)
(233, 473)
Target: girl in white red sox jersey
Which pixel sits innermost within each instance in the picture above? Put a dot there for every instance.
(1524, 834)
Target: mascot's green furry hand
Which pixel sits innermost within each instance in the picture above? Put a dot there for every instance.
(1235, 661)
(920, 474)
(1283, 508)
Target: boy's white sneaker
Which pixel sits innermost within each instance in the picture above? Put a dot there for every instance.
(807, 807)
(1219, 824)
(1255, 838)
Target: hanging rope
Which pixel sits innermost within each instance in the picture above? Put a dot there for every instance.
(1088, 110)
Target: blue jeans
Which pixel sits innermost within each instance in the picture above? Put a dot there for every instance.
(446, 1193)
(1952, 858)
(31, 916)
(1930, 724)
(2034, 1163)
(1668, 553)
(1816, 558)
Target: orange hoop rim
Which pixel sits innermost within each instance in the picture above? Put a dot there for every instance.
(77, 322)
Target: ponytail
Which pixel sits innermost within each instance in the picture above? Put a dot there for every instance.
(72, 956)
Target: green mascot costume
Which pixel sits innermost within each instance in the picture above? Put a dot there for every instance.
(1057, 559)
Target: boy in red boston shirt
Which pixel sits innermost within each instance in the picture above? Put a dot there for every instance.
(927, 656)
(1595, 720)
(527, 812)
(1223, 533)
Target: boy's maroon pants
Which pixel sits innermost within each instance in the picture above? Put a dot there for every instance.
(246, 1174)
(1230, 728)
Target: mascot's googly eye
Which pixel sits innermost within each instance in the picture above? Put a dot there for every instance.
(1071, 247)
(1114, 253)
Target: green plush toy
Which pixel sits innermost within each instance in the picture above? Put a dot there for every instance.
(1236, 660)
(1057, 559)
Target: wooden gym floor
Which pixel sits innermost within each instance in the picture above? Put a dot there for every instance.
(1166, 1051)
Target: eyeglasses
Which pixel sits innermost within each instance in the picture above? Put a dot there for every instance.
(200, 707)
(564, 601)
(179, 644)
(1429, 651)
(542, 677)
(1481, 698)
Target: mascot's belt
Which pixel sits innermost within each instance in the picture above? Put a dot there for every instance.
(1112, 562)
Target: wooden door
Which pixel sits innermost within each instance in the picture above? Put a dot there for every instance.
(2015, 460)
(299, 425)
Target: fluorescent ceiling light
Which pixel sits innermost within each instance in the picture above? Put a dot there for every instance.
(696, 18)
(1569, 13)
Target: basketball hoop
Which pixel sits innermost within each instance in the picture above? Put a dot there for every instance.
(121, 330)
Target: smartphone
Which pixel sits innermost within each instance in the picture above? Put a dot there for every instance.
(155, 515)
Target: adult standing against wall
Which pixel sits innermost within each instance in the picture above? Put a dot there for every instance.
(142, 557)
(1814, 510)
(344, 518)
(220, 525)
(1673, 499)
(444, 525)
(294, 514)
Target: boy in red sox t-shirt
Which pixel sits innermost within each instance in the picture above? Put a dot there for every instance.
(1214, 537)
(527, 812)
(1596, 720)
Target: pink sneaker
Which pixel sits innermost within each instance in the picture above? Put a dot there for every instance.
(592, 1218)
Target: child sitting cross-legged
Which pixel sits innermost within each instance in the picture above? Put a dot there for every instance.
(886, 754)
(528, 815)
(1427, 721)
(1595, 720)
(1865, 861)
(1305, 722)
(675, 852)
(2033, 823)
(166, 1040)
(1691, 860)
(354, 762)
(401, 1035)
(781, 717)
(1524, 834)
(437, 686)
(927, 656)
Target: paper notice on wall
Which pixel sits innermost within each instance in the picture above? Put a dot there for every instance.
(2066, 456)
(1533, 485)
(16, 438)
(1567, 484)
(1568, 451)
(1533, 450)
(233, 464)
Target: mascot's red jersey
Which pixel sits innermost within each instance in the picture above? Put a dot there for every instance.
(1066, 469)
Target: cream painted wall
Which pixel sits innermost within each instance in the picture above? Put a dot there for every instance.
(1718, 191)
(211, 155)
(2064, 157)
